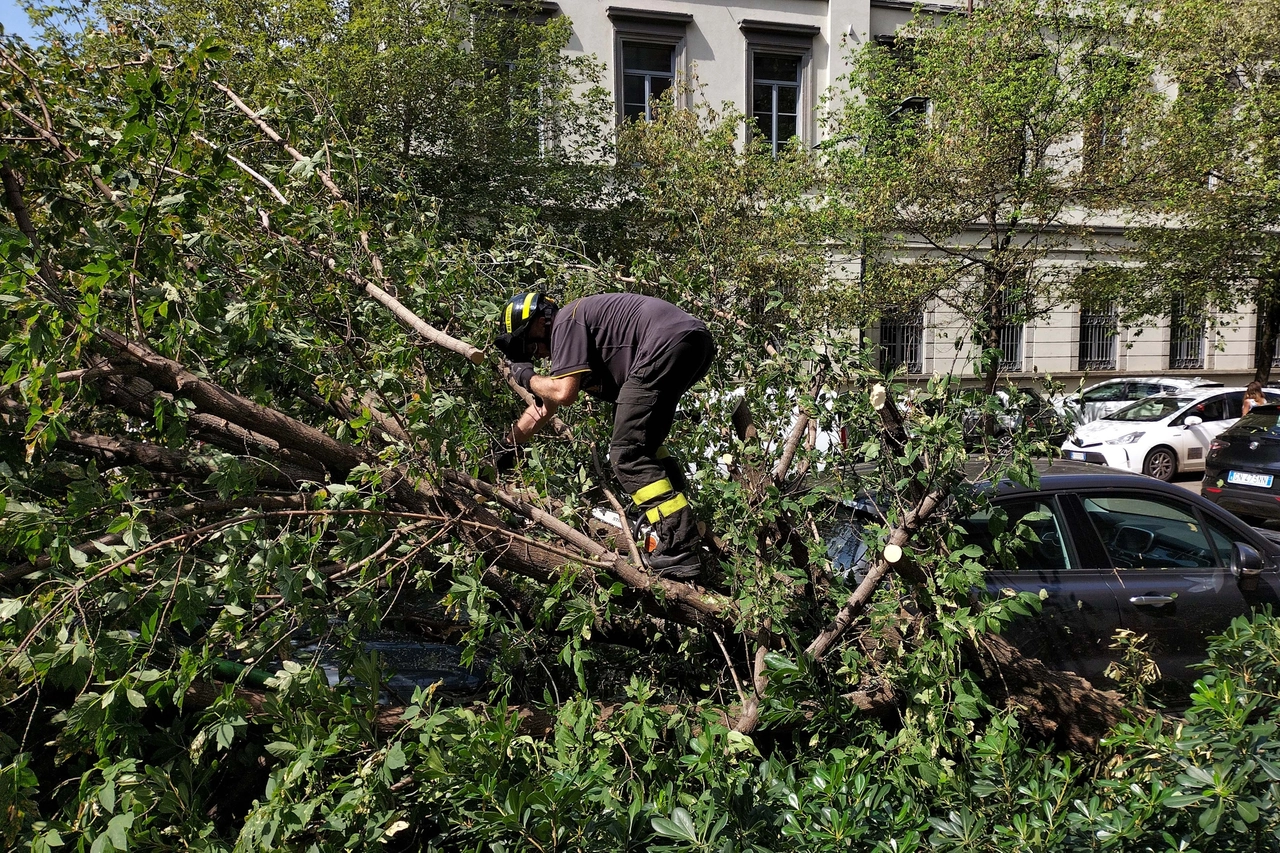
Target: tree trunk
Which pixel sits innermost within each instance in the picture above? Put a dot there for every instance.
(1268, 330)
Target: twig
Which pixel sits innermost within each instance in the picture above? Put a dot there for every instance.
(737, 682)
(760, 682)
(248, 170)
(792, 443)
(900, 536)
(276, 138)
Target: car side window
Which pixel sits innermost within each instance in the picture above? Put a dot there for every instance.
(1105, 393)
(1044, 546)
(1222, 539)
(1213, 409)
(1141, 532)
(1138, 390)
(1234, 404)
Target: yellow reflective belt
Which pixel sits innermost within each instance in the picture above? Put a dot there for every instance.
(666, 508)
(528, 301)
(508, 317)
(662, 453)
(653, 490)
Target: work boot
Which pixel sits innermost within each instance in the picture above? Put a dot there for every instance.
(670, 547)
(679, 566)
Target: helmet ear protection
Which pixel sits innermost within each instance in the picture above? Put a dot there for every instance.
(518, 315)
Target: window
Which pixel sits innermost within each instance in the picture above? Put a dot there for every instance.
(648, 70)
(1140, 390)
(1142, 532)
(1009, 331)
(1108, 393)
(1186, 336)
(1112, 85)
(1042, 545)
(514, 65)
(1213, 409)
(1098, 338)
(777, 80)
(775, 97)
(902, 341)
(648, 57)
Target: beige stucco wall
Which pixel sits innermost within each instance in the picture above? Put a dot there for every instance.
(715, 50)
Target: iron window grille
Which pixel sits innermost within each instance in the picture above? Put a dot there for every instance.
(1098, 329)
(902, 342)
(1186, 336)
(1009, 338)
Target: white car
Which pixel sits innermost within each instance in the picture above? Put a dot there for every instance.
(1160, 435)
(1114, 394)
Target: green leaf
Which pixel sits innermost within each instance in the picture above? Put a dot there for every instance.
(1181, 801)
(118, 830)
(395, 757)
(680, 826)
(1248, 811)
(281, 748)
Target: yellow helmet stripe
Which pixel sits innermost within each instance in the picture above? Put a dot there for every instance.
(507, 317)
(653, 490)
(528, 303)
(666, 508)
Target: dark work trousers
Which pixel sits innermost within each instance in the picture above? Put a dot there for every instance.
(642, 421)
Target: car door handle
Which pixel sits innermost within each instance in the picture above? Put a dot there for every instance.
(1151, 600)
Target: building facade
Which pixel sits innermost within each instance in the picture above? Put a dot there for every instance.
(777, 60)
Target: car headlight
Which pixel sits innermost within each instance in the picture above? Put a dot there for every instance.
(1126, 439)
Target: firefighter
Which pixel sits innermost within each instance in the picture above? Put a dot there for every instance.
(638, 352)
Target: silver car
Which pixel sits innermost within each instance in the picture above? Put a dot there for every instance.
(1113, 395)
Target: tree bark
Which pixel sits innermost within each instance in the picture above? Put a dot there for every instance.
(1268, 306)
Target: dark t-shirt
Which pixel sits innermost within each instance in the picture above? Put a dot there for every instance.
(613, 335)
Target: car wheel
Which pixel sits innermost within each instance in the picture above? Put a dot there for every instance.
(1161, 463)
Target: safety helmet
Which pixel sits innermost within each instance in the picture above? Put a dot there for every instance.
(518, 315)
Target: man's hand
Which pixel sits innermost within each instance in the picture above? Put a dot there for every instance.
(522, 372)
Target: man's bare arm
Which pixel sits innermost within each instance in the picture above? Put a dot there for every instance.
(530, 421)
(560, 391)
(554, 393)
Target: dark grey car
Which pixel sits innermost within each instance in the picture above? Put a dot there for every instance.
(1120, 550)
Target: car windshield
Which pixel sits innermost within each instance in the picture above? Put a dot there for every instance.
(1151, 409)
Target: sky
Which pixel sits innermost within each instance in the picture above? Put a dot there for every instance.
(14, 19)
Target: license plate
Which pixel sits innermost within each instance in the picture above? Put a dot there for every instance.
(1243, 478)
(1076, 454)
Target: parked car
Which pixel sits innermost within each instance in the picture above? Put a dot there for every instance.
(1117, 550)
(1113, 395)
(1013, 409)
(1160, 435)
(1242, 470)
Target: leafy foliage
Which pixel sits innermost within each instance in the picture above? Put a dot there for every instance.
(226, 473)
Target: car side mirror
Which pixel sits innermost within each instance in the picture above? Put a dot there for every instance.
(1193, 420)
(1246, 565)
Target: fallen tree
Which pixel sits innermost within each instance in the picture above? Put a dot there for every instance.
(231, 439)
